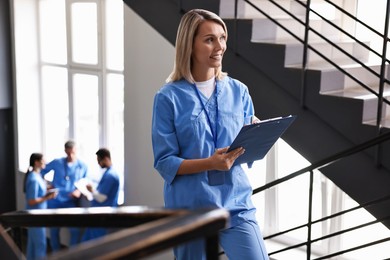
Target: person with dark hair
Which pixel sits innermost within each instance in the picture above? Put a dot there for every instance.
(37, 196)
(106, 193)
(196, 116)
(67, 171)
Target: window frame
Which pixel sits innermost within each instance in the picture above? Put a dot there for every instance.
(32, 33)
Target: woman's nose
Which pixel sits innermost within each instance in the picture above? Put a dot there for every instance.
(221, 44)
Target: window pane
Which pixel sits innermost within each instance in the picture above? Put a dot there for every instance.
(86, 118)
(55, 110)
(115, 127)
(84, 33)
(53, 31)
(114, 34)
(29, 119)
(291, 191)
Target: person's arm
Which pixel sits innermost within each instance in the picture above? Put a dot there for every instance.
(49, 166)
(32, 194)
(220, 160)
(35, 201)
(99, 197)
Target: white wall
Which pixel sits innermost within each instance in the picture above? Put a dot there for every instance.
(148, 62)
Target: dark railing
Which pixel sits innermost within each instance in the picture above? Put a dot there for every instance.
(310, 169)
(306, 46)
(143, 231)
(327, 161)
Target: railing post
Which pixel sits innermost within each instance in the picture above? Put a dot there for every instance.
(382, 81)
(310, 214)
(305, 54)
(235, 31)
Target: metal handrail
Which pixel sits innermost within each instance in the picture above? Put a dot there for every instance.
(382, 79)
(354, 18)
(307, 45)
(343, 212)
(328, 161)
(353, 150)
(316, 166)
(345, 32)
(143, 231)
(349, 35)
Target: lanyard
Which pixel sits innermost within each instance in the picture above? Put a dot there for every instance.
(67, 178)
(66, 169)
(207, 114)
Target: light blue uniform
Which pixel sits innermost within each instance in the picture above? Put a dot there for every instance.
(181, 130)
(109, 186)
(36, 236)
(64, 179)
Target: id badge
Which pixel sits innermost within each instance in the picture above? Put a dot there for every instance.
(216, 177)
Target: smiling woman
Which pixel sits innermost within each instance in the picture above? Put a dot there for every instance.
(196, 116)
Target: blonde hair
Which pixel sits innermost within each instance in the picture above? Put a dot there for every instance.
(186, 33)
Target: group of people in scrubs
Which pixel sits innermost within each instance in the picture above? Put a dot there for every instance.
(61, 192)
(196, 116)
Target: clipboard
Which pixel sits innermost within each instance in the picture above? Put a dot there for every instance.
(257, 139)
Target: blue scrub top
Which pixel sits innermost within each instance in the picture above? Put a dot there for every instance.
(109, 186)
(181, 130)
(35, 188)
(64, 179)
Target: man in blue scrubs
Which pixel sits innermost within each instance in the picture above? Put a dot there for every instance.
(67, 171)
(106, 193)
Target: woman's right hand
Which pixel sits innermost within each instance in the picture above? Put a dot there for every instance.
(223, 161)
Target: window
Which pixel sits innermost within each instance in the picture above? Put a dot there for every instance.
(70, 79)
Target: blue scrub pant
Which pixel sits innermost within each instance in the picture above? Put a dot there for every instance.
(92, 233)
(36, 243)
(240, 242)
(55, 238)
(55, 231)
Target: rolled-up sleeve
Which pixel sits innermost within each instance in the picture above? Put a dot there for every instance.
(248, 107)
(164, 140)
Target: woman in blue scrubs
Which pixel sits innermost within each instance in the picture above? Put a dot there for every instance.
(36, 198)
(196, 116)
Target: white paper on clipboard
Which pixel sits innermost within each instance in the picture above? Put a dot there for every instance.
(81, 185)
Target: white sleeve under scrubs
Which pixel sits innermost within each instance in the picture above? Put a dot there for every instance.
(181, 130)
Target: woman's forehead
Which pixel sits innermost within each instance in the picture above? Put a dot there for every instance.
(210, 27)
